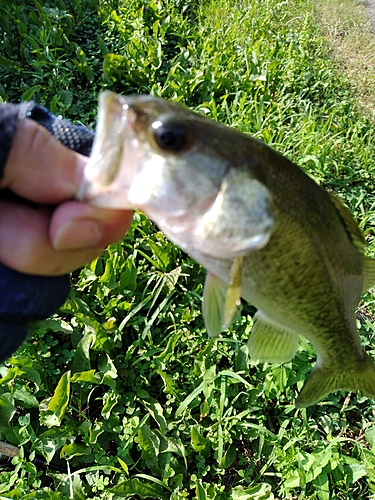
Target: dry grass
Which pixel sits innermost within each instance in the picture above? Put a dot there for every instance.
(351, 40)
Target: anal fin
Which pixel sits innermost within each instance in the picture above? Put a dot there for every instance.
(233, 297)
(270, 342)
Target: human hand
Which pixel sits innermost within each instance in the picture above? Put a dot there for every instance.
(55, 234)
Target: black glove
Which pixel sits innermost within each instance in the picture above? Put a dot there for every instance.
(23, 297)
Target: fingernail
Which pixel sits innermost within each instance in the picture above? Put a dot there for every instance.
(78, 234)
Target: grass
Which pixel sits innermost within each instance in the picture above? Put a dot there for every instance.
(121, 389)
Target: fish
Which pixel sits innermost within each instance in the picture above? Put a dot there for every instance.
(263, 229)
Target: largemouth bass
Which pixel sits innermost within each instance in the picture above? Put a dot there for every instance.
(262, 228)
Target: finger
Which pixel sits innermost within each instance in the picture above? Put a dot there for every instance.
(75, 224)
(39, 168)
(25, 235)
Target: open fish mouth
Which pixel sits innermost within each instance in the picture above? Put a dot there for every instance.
(148, 154)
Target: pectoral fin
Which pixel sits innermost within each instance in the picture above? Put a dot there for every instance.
(271, 343)
(221, 300)
(214, 296)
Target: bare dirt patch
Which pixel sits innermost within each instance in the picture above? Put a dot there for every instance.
(370, 9)
(349, 27)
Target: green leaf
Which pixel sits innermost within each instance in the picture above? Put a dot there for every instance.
(8, 63)
(153, 480)
(169, 383)
(109, 276)
(52, 325)
(169, 350)
(149, 443)
(156, 411)
(200, 444)
(123, 465)
(58, 403)
(24, 395)
(144, 490)
(204, 491)
(66, 97)
(107, 367)
(81, 360)
(357, 470)
(258, 492)
(29, 94)
(128, 280)
(83, 64)
(293, 481)
(242, 359)
(42, 495)
(110, 400)
(88, 72)
(162, 257)
(74, 450)
(90, 377)
(370, 435)
(50, 441)
(102, 46)
(115, 67)
(204, 409)
(95, 431)
(228, 457)
(110, 324)
(7, 410)
(235, 376)
(183, 406)
(321, 484)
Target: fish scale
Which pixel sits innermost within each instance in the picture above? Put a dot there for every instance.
(262, 228)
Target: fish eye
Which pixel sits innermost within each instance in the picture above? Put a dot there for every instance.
(171, 134)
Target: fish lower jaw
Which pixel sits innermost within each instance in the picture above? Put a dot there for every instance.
(200, 246)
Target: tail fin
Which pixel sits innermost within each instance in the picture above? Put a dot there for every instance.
(323, 380)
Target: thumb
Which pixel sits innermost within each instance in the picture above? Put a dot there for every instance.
(39, 168)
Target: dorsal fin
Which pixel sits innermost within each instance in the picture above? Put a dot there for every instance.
(349, 223)
(368, 274)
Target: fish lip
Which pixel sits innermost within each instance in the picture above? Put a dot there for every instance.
(105, 183)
